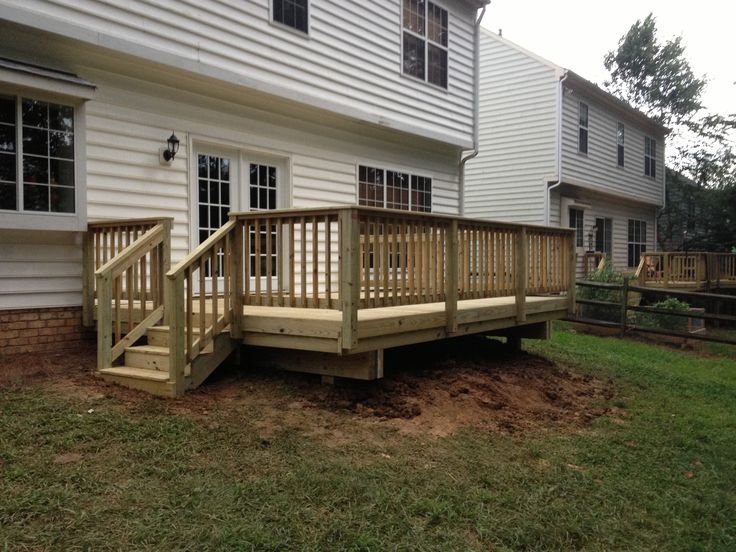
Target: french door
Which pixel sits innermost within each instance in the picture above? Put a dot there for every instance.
(236, 181)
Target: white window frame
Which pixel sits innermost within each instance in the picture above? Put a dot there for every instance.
(289, 28)
(582, 127)
(641, 244)
(411, 174)
(34, 220)
(650, 154)
(426, 40)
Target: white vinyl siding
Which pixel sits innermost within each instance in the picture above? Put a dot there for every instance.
(518, 130)
(40, 269)
(349, 65)
(599, 170)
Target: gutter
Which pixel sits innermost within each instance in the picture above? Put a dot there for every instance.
(476, 110)
(548, 195)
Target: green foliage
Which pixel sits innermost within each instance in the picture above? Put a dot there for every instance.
(664, 321)
(607, 275)
(657, 79)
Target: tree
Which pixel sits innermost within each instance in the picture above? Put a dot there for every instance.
(657, 79)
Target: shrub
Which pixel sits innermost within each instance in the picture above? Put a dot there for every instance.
(607, 275)
(664, 321)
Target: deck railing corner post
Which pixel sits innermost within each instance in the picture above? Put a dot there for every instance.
(176, 322)
(572, 274)
(452, 261)
(522, 273)
(349, 246)
(237, 268)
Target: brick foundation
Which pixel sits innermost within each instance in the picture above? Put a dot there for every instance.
(42, 330)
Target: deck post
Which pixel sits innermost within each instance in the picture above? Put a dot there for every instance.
(522, 273)
(349, 243)
(666, 269)
(572, 265)
(624, 304)
(88, 279)
(174, 297)
(451, 276)
(165, 263)
(236, 274)
(104, 322)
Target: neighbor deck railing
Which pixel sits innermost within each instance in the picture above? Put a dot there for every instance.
(670, 269)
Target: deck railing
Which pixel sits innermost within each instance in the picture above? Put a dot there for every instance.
(129, 288)
(694, 269)
(103, 241)
(341, 258)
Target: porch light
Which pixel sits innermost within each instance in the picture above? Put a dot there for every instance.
(167, 154)
(172, 147)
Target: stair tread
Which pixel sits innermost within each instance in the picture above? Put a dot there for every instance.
(150, 349)
(138, 373)
(166, 329)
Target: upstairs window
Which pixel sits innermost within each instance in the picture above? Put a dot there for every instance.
(394, 190)
(620, 144)
(425, 32)
(637, 241)
(292, 13)
(650, 157)
(36, 156)
(583, 128)
(576, 222)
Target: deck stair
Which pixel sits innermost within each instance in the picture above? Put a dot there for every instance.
(147, 366)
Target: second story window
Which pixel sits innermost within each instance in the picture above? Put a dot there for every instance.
(425, 32)
(650, 157)
(583, 128)
(292, 13)
(620, 144)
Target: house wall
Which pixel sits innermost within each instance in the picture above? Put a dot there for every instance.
(349, 64)
(617, 209)
(129, 121)
(598, 170)
(517, 135)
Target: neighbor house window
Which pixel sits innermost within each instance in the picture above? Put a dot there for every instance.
(583, 128)
(425, 33)
(292, 13)
(394, 189)
(620, 144)
(604, 236)
(576, 222)
(36, 156)
(637, 241)
(650, 157)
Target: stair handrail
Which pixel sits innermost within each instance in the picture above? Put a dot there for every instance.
(218, 249)
(143, 264)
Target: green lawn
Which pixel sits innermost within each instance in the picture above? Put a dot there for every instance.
(94, 472)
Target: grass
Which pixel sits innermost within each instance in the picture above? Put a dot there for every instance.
(659, 476)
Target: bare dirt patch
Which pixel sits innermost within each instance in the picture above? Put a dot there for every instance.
(432, 389)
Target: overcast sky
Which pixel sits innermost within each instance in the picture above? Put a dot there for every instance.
(576, 34)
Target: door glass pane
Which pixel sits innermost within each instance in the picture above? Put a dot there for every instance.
(214, 198)
(263, 185)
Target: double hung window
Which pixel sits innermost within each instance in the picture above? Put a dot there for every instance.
(394, 189)
(425, 41)
(583, 128)
(576, 222)
(650, 157)
(620, 144)
(292, 13)
(637, 241)
(37, 172)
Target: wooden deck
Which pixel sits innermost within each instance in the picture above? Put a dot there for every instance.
(344, 282)
(697, 271)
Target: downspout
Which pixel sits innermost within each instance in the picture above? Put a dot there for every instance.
(476, 109)
(548, 195)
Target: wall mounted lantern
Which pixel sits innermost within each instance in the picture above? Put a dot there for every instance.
(167, 154)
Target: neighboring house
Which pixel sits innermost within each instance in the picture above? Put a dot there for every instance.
(556, 149)
(276, 103)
